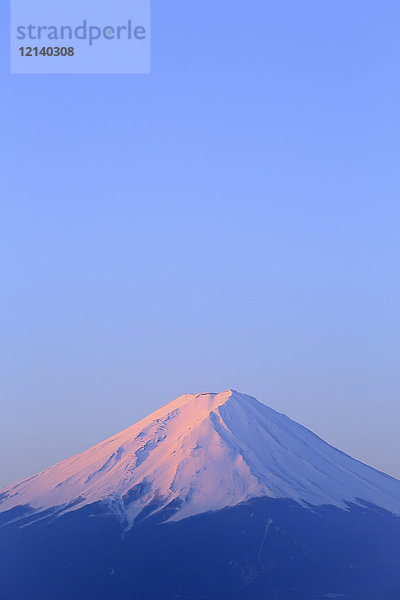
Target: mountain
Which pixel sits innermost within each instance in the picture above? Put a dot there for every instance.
(205, 452)
(221, 476)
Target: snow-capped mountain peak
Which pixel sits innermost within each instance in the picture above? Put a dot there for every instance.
(204, 452)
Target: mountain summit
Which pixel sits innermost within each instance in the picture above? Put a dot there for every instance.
(205, 452)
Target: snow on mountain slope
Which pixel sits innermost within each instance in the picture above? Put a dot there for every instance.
(206, 452)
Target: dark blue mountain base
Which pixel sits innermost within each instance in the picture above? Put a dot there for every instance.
(262, 550)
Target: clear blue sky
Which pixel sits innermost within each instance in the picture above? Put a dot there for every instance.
(231, 220)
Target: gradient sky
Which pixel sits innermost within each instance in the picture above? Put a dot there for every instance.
(231, 220)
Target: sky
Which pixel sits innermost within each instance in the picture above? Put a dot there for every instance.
(229, 221)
